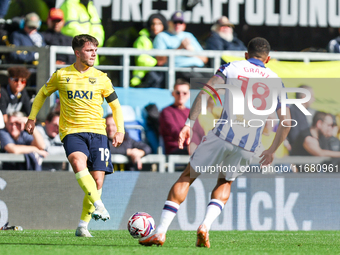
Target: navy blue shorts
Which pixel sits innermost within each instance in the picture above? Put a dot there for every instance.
(95, 146)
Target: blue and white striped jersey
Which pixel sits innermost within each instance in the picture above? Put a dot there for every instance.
(263, 88)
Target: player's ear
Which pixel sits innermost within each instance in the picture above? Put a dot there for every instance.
(246, 55)
(267, 59)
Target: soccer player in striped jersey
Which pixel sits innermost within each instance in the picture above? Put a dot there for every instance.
(234, 139)
(82, 89)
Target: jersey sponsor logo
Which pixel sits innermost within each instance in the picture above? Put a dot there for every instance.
(81, 94)
(68, 79)
(93, 80)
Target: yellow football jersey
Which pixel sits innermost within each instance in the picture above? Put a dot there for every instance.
(81, 97)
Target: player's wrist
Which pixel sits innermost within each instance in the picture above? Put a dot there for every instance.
(121, 131)
(189, 122)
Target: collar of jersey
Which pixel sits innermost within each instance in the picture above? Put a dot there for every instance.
(256, 62)
(79, 73)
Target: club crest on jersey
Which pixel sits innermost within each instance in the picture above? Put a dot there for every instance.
(93, 80)
(68, 79)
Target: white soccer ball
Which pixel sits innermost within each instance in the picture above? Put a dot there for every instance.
(140, 225)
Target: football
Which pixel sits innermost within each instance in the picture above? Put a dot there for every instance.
(140, 225)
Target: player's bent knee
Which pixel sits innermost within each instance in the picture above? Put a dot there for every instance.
(77, 161)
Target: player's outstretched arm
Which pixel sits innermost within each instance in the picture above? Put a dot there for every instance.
(184, 135)
(280, 136)
(37, 104)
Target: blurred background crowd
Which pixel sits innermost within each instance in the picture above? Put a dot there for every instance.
(38, 23)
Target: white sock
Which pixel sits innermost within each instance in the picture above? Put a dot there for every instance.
(83, 224)
(168, 214)
(98, 203)
(214, 209)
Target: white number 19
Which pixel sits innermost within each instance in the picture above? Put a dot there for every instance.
(105, 152)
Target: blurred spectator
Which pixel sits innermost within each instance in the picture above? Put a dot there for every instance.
(19, 8)
(122, 38)
(15, 140)
(2, 109)
(223, 37)
(81, 17)
(177, 38)
(53, 36)
(4, 4)
(156, 24)
(51, 3)
(313, 141)
(28, 36)
(50, 134)
(131, 148)
(173, 117)
(334, 45)
(333, 141)
(2, 122)
(14, 97)
(303, 121)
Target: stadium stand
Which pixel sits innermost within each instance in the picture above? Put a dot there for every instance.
(138, 98)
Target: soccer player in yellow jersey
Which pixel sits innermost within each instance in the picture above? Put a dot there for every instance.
(82, 89)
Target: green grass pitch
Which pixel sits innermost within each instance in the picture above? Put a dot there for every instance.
(178, 242)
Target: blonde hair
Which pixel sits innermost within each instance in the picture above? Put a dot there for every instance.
(16, 114)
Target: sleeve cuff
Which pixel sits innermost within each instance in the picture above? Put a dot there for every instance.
(189, 122)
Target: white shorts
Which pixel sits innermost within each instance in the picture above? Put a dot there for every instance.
(214, 155)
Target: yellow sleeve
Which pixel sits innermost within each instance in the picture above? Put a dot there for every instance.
(117, 115)
(37, 104)
(44, 92)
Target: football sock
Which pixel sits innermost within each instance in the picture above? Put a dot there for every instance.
(88, 209)
(214, 209)
(168, 214)
(99, 202)
(83, 224)
(89, 186)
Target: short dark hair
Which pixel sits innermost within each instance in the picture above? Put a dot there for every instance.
(258, 47)
(51, 116)
(18, 72)
(319, 116)
(181, 81)
(80, 40)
